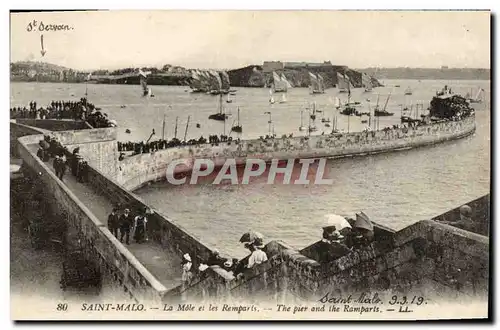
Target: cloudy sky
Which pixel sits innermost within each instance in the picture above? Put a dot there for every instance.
(231, 39)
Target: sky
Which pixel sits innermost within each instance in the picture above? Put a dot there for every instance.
(232, 39)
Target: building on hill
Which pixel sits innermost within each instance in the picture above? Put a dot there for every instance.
(304, 65)
(270, 66)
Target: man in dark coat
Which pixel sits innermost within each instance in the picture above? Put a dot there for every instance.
(362, 233)
(114, 222)
(126, 223)
(57, 166)
(62, 166)
(41, 153)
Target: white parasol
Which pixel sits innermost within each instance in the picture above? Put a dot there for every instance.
(336, 220)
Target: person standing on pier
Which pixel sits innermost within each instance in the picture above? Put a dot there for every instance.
(186, 274)
(125, 226)
(258, 256)
(362, 234)
(140, 227)
(114, 222)
(465, 221)
(57, 166)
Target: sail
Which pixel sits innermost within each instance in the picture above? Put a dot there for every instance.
(144, 84)
(207, 81)
(279, 85)
(478, 93)
(314, 86)
(195, 81)
(283, 78)
(366, 81)
(343, 83)
(321, 83)
(216, 81)
(225, 80)
(349, 83)
(337, 102)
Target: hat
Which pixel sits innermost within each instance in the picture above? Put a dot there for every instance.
(228, 263)
(466, 211)
(258, 243)
(362, 221)
(187, 257)
(335, 220)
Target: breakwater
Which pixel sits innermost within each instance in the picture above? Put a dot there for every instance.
(137, 170)
(434, 254)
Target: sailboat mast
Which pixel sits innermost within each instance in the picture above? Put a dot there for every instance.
(176, 122)
(163, 128)
(370, 116)
(270, 121)
(309, 128)
(187, 125)
(238, 116)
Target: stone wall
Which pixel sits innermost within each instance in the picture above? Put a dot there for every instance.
(434, 260)
(162, 229)
(55, 124)
(92, 236)
(19, 130)
(98, 146)
(136, 170)
(480, 214)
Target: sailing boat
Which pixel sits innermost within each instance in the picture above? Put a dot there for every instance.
(334, 129)
(343, 83)
(279, 85)
(408, 91)
(478, 98)
(301, 127)
(144, 84)
(337, 103)
(283, 98)
(317, 85)
(312, 128)
(271, 99)
(383, 112)
(367, 82)
(228, 99)
(349, 106)
(237, 128)
(283, 78)
(220, 116)
(313, 116)
(325, 120)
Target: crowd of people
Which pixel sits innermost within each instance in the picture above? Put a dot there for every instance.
(151, 146)
(50, 147)
(76, 110)
(338, 240)
(124, 225)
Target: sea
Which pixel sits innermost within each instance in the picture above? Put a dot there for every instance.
(394, 189)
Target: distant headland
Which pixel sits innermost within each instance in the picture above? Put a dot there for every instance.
(443, 73)
(249, 76)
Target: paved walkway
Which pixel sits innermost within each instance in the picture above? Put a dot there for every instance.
(165, 266)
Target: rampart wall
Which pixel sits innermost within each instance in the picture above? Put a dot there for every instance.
(135, 171)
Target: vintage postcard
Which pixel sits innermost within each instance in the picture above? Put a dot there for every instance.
(250, 165)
